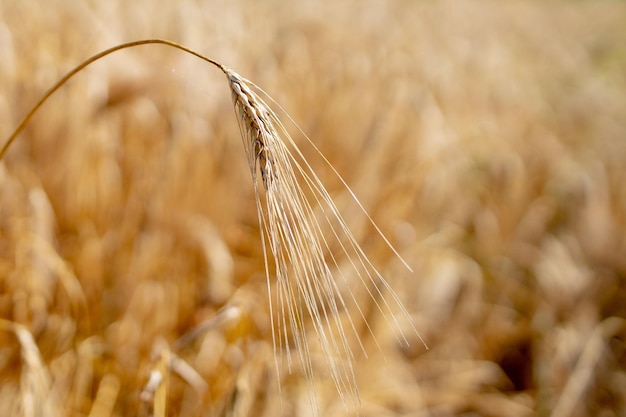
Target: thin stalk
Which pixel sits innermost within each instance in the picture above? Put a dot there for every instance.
(20, 127)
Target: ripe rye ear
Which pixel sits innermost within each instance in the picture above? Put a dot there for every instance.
(298, 243)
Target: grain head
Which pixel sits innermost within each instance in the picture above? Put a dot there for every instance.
(299, 247)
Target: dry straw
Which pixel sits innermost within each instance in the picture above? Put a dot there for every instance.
(302, 264)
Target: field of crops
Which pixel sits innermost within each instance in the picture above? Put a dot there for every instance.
(486, 139)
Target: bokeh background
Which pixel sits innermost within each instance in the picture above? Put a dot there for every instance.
(486, 138)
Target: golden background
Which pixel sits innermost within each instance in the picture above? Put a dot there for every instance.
(486, 138)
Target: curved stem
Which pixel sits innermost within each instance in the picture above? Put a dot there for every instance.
(89, 61)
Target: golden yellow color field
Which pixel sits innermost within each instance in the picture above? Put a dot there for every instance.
(487, 139)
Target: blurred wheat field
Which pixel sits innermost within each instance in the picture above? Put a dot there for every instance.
(486, 138)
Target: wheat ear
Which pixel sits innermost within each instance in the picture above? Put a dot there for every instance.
(299, 245)
(296, 239)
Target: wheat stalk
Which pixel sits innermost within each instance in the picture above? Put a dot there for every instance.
(296, 239)
(38, 394)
